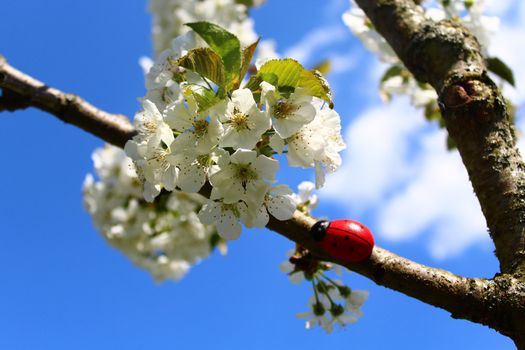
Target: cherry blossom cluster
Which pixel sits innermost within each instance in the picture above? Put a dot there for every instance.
(188, 136)
(333, 303)
(397, 80)
(169, 17)
(165, 237)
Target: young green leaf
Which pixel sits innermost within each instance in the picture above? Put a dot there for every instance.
(288, 74)
(247, 54)
(500, 68)
(315, 84)
(391, 72)
(204, 97)
(223, 43)
(205, 62)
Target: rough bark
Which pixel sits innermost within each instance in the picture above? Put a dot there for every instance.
(448, 56)
(479, 300)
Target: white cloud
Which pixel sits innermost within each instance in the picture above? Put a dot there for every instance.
(340, 63)
(314, 40)
(439, 197)
(377, 146)
(398, 169)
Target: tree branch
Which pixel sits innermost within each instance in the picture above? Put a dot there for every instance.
(20, 91)
(448, 56)
(473, 299)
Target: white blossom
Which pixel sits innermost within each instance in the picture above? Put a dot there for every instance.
(243, 176)
(198, 131)
(318, 143)
(278, 202)
(361, 26)
(242, 120)
(166, 237)
(289, 114)
(318, 313)
(305, 197)
(226, 217)
(169, 17)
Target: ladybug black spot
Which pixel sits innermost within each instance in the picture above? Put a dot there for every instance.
(334, 244)
(347, 238)
(318, 230)
(351, 249)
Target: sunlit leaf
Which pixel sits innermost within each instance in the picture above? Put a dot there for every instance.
(205, 62)
(247, 55)
(224, 43)
(288, 74)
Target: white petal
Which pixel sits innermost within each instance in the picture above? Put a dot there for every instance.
(228, 226)
(243, 99)
(210, 213)
(266, 167)
(277, 143)
(243, 156)
(257, 217)
(151, 191)
(296, 277)
(170, 178)
(281, 207)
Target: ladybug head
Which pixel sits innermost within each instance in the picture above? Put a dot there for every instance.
(318, 230)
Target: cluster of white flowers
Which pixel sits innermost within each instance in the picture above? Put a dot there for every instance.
(169, 17)
(333, 302)
(165, 237)
(468, 12)
(231, 144)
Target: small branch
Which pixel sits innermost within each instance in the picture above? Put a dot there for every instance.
(489, 302)
(20, 91)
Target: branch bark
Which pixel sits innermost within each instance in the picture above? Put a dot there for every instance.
(488, 302)
(20, 91)
(448, 56)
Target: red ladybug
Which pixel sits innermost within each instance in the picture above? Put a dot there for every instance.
(345, 240)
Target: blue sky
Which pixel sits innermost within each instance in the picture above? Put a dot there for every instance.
(63, 287)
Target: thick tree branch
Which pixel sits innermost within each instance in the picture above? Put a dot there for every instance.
(473, 299)
(20, 91)
(448, 56)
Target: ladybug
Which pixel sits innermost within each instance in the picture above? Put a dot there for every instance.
(345, 240)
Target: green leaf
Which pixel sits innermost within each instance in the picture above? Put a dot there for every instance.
(247, 54)
(316, 85)
(222, 42)
(288, 74)
(284, 73)
(391, 72)
(205, 62)
(500, 68)
(204, 97)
